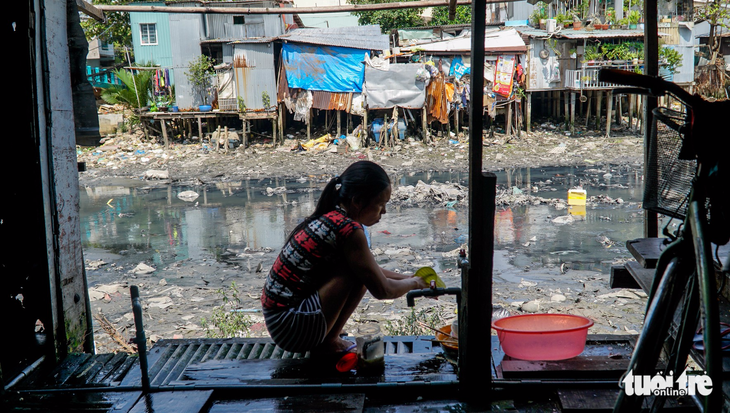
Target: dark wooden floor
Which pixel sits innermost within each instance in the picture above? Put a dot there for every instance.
(237, 375)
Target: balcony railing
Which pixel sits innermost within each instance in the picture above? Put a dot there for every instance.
(587, 78)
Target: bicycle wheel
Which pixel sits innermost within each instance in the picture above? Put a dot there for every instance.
(667, 294)
(710, 311)
(681, 337)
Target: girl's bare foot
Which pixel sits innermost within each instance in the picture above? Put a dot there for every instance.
(339, 345)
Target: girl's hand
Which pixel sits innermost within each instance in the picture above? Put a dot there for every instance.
(421, 283)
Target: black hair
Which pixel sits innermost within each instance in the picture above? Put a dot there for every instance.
(362, 181)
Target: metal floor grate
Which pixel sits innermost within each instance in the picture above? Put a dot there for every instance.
(168, 359)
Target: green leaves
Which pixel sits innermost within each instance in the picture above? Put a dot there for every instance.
(199, 74)
(135, 91)
(388, 19)
(114, 30)
(440, 16)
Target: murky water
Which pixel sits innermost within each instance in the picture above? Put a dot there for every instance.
(235, 216)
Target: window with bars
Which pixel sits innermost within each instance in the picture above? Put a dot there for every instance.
(148, 33)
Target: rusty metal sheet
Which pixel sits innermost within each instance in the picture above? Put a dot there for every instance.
(331, 100)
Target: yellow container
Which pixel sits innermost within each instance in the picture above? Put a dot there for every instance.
(577, 210)
(576, 196)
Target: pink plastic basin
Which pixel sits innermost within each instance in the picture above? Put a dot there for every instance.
(542, 336)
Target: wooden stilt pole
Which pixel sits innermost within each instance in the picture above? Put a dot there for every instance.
(528, 117)
(508, 123)
(424, 126)
(599, 104)
(273, 129)
(225, 137)
(619, 110)
(280, 121)
(339, 123)
(309, 125)
(164, 132)
(609, 109)
(572, 112)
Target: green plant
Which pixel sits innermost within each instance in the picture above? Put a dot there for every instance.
(671, 58)
(226, 320)
(241, 104)
(592, 52)
(610, 15)
(539, 12)
(563, 18)
(583, 8)
(409, 325)
(135, 91)
(265, 99)
(200, 72)
(633, 17)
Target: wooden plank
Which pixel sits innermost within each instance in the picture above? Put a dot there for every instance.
(101, 401)
(643, 276)
(578, 367)
(353, 402)
(646, 251)
(622, 278)
(172, 401)
(104, 375)
(592, 400)
(88, 371)
(68, 367)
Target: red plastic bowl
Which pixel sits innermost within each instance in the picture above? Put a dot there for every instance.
(542, 336)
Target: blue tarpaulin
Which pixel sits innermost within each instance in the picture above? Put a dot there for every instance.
(326, 68)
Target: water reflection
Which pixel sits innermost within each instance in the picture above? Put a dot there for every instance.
(258, 214)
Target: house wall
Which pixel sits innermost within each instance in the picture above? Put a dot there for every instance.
(221, 26)
(255, 73)
(159, 54)
(185, 34)
(539, 69)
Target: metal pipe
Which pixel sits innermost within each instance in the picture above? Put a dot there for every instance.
(433, 292)
(289, 10)
(23, 374)
(140, 339)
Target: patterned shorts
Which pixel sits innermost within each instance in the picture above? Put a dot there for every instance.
(297, 329)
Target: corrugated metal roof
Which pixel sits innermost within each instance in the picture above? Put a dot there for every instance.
(331, 100)
(579, 34)
(358, 37)
(254, 40)
(494, 41)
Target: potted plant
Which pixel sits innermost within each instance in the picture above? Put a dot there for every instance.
(200, 75)
(564, 20)
(577, 24)
(539, 15)
(610, 16)
(633, 18)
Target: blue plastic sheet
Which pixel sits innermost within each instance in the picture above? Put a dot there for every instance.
(326, 68)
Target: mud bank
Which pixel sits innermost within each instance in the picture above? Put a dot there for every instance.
(178, 297)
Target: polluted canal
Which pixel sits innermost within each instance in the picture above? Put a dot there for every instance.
(183, 245)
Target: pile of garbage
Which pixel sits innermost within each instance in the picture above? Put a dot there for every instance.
(434, 194)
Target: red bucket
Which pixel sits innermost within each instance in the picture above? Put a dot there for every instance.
(542, 336)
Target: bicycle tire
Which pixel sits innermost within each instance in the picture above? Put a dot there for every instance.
(667, 293)
(710, 309)
(686, 262)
